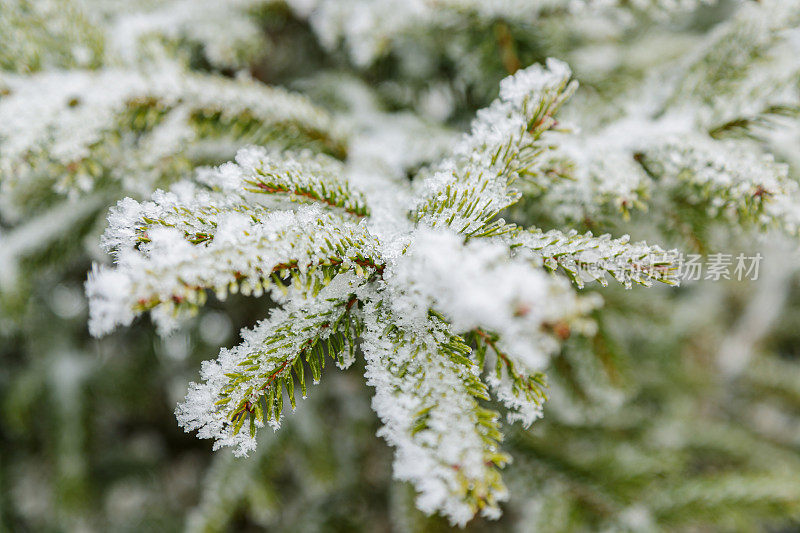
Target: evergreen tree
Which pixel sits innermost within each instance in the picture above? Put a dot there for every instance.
(419, 190)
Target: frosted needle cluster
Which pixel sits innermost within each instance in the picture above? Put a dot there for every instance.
(450, 309)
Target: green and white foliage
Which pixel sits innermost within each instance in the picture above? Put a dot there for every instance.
(728, 179)
(48, 34)
(129, 111)
(111, 115)
(146, 30)
(41, 35)
(693, 133)
(744, 74)
(462, 271)
(369, 30)
(445, 306)
(584, 257)
(469, 189)
(99, 135)
(74, 129)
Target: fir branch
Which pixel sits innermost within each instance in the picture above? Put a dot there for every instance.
(47, 34)
(250, 251)
(426, 393)
(743, 69)
(470, 188)
(336, 267)
(249, 382)
(727, 179)
(583, 257)
(754, 126)
(522, 393)
(387, 25)
(91, 129)
(188, 31)
(301, 176)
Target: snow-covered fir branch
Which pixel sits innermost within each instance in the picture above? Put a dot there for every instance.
(584, 257)
(300, 176)
(468, 189)
(181, 27)
(248, 382)
(461, 257)
(50, 34)
(427, 392)
(431, 312)
(728, 179)
(694, 132)
(744, 74)
(78, 128)
(232, 248)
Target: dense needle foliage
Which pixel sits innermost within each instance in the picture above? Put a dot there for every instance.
(483, 208)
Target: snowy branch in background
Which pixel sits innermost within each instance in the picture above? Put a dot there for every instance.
(728, 179)
(369, 29)
(77, 130)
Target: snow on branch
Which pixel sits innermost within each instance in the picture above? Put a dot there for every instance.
(502, 308)
(504, 293)
(249, 382)
(178, 27)
(140, 129)
(299, 176)
(468, 189)
(222, 249)
(728, 179)
(584, 257)
(427, 392)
